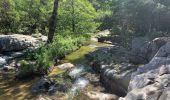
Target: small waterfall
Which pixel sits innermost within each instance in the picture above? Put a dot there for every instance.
(77, 71)
(80, 82)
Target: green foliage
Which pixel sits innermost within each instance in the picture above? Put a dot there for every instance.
(45, 57)
(29, 16)
(77, 14)
(26, 69)
(61, 46)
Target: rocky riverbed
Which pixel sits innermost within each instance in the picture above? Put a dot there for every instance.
(72, 79)
(97, 71)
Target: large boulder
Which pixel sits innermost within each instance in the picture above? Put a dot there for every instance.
(139, 50)
(143, 50)
(116, 78)
(17, 42)
(153, 85)
(151, 81)
(108, 55)
(112, 64)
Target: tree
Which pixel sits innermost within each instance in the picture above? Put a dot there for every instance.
(77, 16)
(25, 16)
(53, 21)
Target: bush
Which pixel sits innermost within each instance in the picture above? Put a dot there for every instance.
(61, 46)
(26, 69)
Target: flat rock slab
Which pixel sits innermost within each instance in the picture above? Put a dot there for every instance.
(65, 66)
(17, 42)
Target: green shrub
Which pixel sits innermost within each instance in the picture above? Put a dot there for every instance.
(46, 55)
(61, 46)
(26, 68)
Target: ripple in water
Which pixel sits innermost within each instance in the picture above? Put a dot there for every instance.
(80, 83)
(77, 71)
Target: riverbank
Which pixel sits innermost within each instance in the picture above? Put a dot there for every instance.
(14, 89)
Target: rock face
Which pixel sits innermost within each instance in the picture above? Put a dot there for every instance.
(117, 80)
(151, 81)
(108, 55)
(143, 50)
(112, 64)
(17, 42)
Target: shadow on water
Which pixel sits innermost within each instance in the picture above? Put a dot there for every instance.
(89, 81)
(11, 89)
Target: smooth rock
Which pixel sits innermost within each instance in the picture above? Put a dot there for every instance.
(65, 66)
(111, 62)
(117, 80)
(18, 42)
(92, 95)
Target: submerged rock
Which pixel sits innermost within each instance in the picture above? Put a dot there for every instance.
(44, 85)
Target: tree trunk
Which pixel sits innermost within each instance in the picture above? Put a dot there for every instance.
(53, 22)
(73, 16)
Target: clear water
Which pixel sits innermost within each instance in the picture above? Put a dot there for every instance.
(11, 89)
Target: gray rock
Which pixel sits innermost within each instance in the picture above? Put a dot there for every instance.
(104, 33)
(44, 85)
(65, 66)
(112, 64)
(111, 39)
(117, 80)
(2, 62)
(152, 81)
(139, 50)
(108, 55)
(6, 68)
(17, 42)
(143, 50)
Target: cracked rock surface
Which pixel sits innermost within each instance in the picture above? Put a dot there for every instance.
(152, 81)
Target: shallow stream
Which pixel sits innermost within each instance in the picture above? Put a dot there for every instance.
(11, 89)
